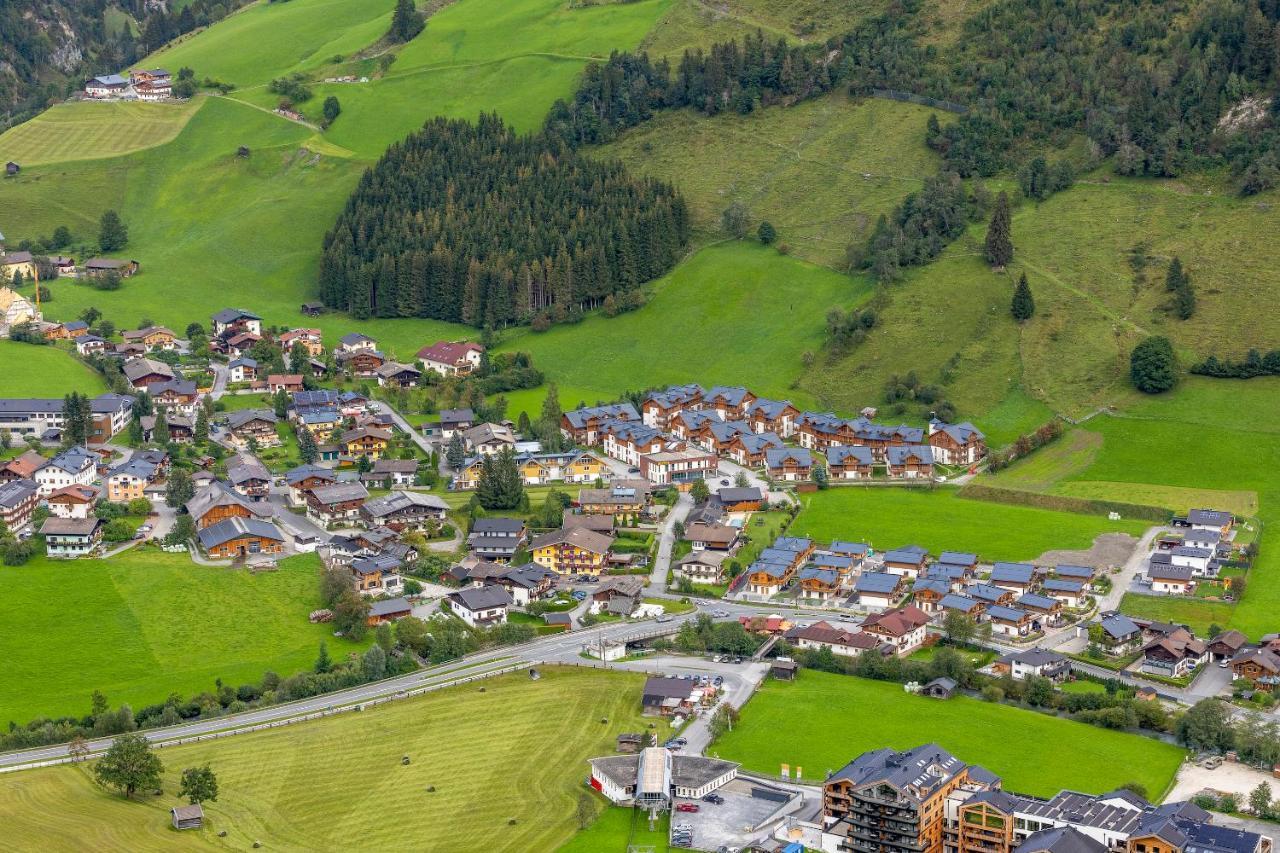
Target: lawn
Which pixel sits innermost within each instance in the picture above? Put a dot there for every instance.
(762, 529)
(616, 829)
(36, 371)
(1082, 686)
(940, 520)
(283, 788)
(845, 716)
(735, 313)
(89, 130)
(1195, 613)
(145, 624)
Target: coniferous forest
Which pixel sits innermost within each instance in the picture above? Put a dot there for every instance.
(476, 224)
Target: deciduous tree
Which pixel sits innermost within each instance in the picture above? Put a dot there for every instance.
(129, 764)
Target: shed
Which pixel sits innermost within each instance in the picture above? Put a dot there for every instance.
(12, 168)
(784, 669)
(187, 817)
(939, 688)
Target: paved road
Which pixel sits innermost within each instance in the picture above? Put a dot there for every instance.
(730, 470)
(1134, 566)
(667, 541)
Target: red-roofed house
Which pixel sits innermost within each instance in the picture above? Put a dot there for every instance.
(901, 627)
(770, 625)
(288, 382)
(451, 358)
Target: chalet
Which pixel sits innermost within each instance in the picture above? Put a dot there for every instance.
(1211, 519)
(956, 444)
(570, 551)
(242, 369)
(218, 501)
(230, 321)
(526, 584)
(290, 383)
(1074, 573)
(789, 464)
(18, 499)
(728, 403)
(1170, 579)
(257, 425)
(880, 589)
(75, 466)
(337, 503)
(819, 584)
(98, 267)
(322, 423)
(583, 426)
(455, 420)
(488, 439)
(237, 344)
(963, 604)
(691, 425)
(772, 416)
(392, 472)
(356, 342)
(480, 607)
(90, 345)
(627, 441)
(365, 441)
(907, 561)
(1045, 612)
(1119, 633)
(403, 510)
(1017, 577)
(619, 596)
(927, 593)
(76, 329)
(311, 339)
(390, 610)
(841, 640)
(304, 478)
(71, 502)
(240, 537)
(142, 372)
(250, 478)
(661, 407)
(1175, 655)
(360, 362)
(701, 567)
(712, 537)
(741, 499)
(1038, 662)
(71, 537)
(676, 466)
(1226, 645)
(152, 338)
(376, 574)
(902, 628)
(1260, 667)
(849, 462)
(912, 461)
(1071, 593)
(1009, 621)
(175, 396)
(719, 436)
(106, 86)
(393, 374)
(452, 359)
(21, 467)
(618, 501)
(750, 450)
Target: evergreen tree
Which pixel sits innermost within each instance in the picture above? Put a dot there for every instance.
(456, 452)
(999, 244)
(406, 22)
(332, 109)
(500, 486)
(1184, 301)
(1023, 305)
(160, 435)
(113, 234)
(765, 233)
(201, 431)
(1174, 277)
(307, 449)
(1153, 367)
(179, 489)
(323, 661)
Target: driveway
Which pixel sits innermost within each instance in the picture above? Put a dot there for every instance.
(731, 470)
(679, 512)
(1134, 566)
(1211, 681)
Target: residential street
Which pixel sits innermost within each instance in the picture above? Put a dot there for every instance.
(666, 543)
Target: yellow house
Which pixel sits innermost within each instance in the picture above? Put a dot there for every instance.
(533, 472)
(584, 469)
(572, 551)
(16, 308)
(366, 441)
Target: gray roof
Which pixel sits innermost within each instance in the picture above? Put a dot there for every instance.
(1060, 839)
(230, 315)
(906, 554)
(1006, 614)
(877, 582)
(230, 529)
(1215, 517)
(218, 493)
(1037, 602)
(733, 494)
(841, 454)
(963, 603)
(958, 558)
(1118, 625)
(340, 493)
(903, 770)
(1168, 572)
(1070, 571)
(900, 455)
(776, 457)
(296, 475)
(237, 419)
(73, 460)
(1065, 585)
(986, 592)
(1036, 657)
(69, 526)
(1012, 572)
(390, 606)
(579, 418)
(481, 598)
(399, 501)
(490, 526)
(247, 469)
(16, 492)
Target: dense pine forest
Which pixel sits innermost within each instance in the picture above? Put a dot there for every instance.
(1146, 81)
(474, 223)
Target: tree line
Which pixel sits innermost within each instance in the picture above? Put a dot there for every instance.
(472, 223)
(1254, 364)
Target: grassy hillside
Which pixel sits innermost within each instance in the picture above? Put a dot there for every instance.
(1210, 443)
(1077, 250)
(85, 130)
(44, 372)
(510, 758)
(821, 172)
(145, 624)
(1037, 754)
(733, 313)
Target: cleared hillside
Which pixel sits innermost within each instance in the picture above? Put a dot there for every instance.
(87, 130)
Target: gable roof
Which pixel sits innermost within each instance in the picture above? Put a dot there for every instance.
(579, 537)
(481, 597)
(1013, 572)
(230, 529)
(877, 582)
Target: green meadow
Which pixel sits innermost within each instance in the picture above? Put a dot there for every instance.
(145, 624)
(939, 519)
(88, 130)
(320, 784)
(845, 716)
(44, 371)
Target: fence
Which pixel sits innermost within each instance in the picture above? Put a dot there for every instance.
(923, 100)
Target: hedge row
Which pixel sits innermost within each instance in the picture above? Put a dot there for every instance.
(1062, 503)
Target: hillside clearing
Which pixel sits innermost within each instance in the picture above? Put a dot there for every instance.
(45, 372)
(89, 130)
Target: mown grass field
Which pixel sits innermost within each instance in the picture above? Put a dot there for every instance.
(821, 172)
(145, 624)
(1076, 249)
(88, 130)
(940, 520)
(516, 752)
(734, 313)
(35, 371)
(616, 829)
(845, 716)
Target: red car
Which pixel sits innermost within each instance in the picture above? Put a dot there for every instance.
(686, 807)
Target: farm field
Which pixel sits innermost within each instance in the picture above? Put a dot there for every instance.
(87, 130)
(1077, 250)
(36, 371)
(145, 624)
(284, 787)
(940, 519)
(845, 716)
(734, 313)
(821, 172)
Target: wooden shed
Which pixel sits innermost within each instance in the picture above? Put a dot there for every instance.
(187, 817)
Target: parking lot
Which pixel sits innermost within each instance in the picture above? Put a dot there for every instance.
(729, 825)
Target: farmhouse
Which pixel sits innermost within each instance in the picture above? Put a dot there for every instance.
(230, 321)
(142, 372)
(569, 551)
(667, 697)
(152, 338)
(701, 567)
(848, 642)
(240, 537)
(217, 502)
(360, 361)
(392, 472)
(71, 502)
(393, 374)
(480, 607)
(15, 310)
(451, 359)
(106, 86)
(71, 537)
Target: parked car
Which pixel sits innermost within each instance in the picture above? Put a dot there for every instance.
(687, 807)
(665, 617)
(718, 680)
(720, 613)
(724, 482)
(714, 799)
(579, 594)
